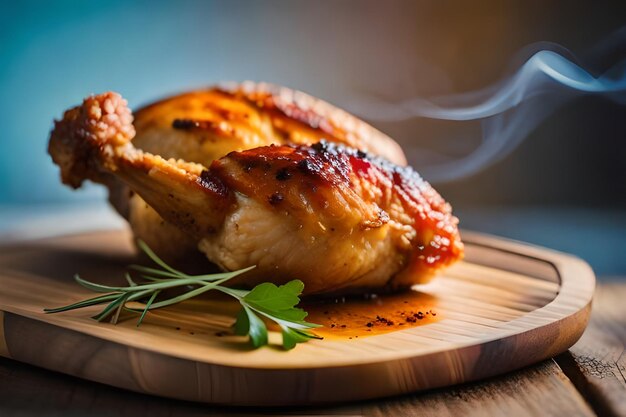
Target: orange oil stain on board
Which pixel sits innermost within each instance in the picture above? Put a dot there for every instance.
(348, 317)
(369, 315)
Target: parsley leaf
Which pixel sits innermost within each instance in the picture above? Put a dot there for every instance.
(276, 303)
(265, 301)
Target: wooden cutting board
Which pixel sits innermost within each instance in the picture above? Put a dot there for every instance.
(506, 306)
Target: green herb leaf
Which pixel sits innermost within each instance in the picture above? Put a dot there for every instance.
(265, 301)
(269, 296)
(146, 249)
(278, 303)
(130, 281)
(242, 323)
(85, 303)
(145, 310)
(256, 329)
(293, 336)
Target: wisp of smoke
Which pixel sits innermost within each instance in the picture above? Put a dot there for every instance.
(508, 111)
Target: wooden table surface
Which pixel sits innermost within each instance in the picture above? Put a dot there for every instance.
(588, 380)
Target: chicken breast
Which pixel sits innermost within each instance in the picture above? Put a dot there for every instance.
(201, 126)
(330, 215)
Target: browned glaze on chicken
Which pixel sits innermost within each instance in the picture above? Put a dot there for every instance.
(330, 215)
(339, 196)
(204, 125)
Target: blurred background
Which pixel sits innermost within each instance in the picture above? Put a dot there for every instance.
(563, 187)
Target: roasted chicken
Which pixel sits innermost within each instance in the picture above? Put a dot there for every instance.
(205, 125)
(333, 216)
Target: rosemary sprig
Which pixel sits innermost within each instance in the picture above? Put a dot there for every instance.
(265, 301)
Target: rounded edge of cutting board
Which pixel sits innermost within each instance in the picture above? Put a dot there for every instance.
(529, 340)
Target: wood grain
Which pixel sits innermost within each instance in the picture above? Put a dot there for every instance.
(508, 306)
(541, 390)
(4, 350)
(538, 390)
(597, 363)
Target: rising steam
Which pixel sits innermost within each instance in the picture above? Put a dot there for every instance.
(508, 111)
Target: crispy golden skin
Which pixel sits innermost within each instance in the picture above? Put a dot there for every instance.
(201, 126)
(205, 125)
(332, 216)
